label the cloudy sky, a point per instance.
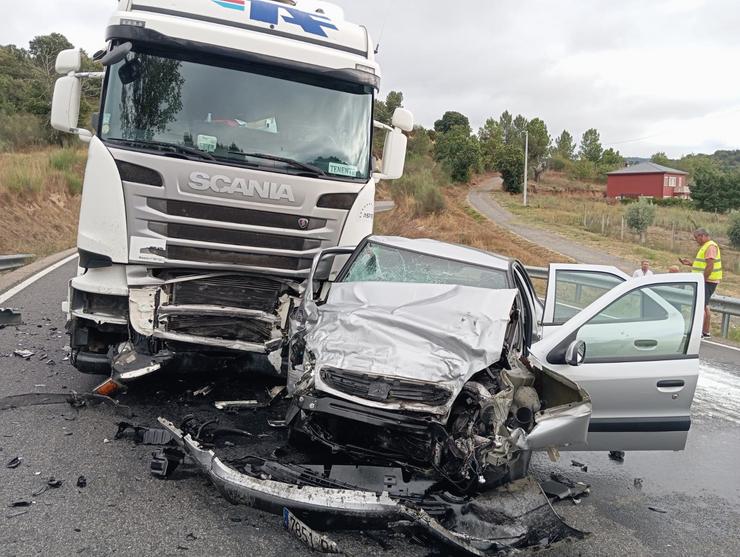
(650, 75)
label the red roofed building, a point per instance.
(648, 179)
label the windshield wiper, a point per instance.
(291, 162)
(174, 147)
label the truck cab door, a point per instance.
(641, 361)
(571, 287)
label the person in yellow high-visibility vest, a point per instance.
(708, 261)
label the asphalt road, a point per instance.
(124, 510)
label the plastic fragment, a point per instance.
(26, 354)
(82, 481)
(14, 462)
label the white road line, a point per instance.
(29, 281)
(720, 345)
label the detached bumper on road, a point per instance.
(532, 518)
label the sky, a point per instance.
(650, 75)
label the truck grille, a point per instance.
(206, 255)
(225, 327)
(235, 237)
(384, 389)
(234, 215)
(236, 291)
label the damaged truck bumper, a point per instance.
(158, 310)
(514, 516)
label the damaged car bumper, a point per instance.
(518, 515)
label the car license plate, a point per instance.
(314, 540)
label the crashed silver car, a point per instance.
(441, 359)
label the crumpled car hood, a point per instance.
(431, 332)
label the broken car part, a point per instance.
(144, 435)
(314, 540)
(10, 317)
(529, 520)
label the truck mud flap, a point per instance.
(514, 516)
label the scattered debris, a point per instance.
(204, 391)
(637, 483)
(14, 462)
(165, 461)
(25, 354)
(144, 435)
(311, 538)
(15, 504)
(277, 424)
(583, 467)
(54, 483)
(617, 456)
(658, 510)
(82, 481)
(13, 515)
(559, 487)
(236, 404)
(10, 317)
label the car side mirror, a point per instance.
(65, 107)
(394, 155)
(575, 353)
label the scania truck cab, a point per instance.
(233, 143)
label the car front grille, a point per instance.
(384, 389)
(225, 327)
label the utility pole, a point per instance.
(526, 156)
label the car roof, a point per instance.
(445, 250)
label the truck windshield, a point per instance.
(265, 118)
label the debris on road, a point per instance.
(82, 481)
(25, 354)
(617, 456)
(559, 487)
(14, 462)
(165, 461)
(203, 391)
(10, 316)
(658, 510)
(637, 483)
(236, 404)
(142, 435)
(18, 513)
(583, 467)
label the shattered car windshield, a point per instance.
(382, 263)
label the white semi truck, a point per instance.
(233, 143)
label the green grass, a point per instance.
(65, 159)
(22, 180)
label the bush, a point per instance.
(510, 163)
(583, 169)
(421, 183)
(559, 163)
(459, 153)
(733, 230)
(74, 183)
(21, 131)
(428, 199)
(63, 159)
(674, 202)
(639, 216)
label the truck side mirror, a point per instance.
(68, 61)
(403, 120)
(394, 155)
(65, 105)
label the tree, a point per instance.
(708, 187)
(591, 146)
(539, 146)
(491, 140)
(733, 230)
(640, 216)
(458, 152)
(383, 110)
(506, 125)
(510, 163)
(565, 146)
(660, 158)
(451, 119)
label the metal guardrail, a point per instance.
(727, 306)
(8, 262)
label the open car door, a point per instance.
(635, 350)
(573, 286)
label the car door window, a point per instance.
(575, 290)
(652, 321)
